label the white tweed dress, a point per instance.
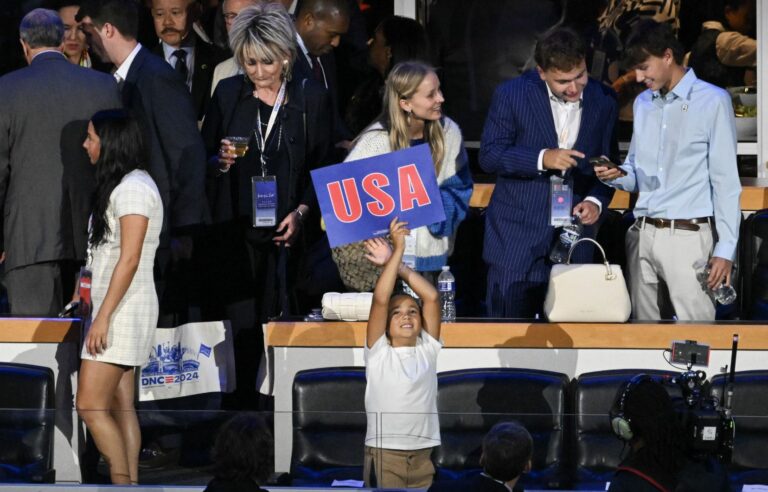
(132, 324)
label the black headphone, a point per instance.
(620, 423)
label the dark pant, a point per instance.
(40, 289)
(509, 297)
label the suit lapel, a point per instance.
(542, 111)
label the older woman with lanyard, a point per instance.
(260, 199)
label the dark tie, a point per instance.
(317, 70)
(181, 64)
(120, 83)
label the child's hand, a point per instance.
(379, 251)
(398, 231)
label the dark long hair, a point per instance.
(122, 150)
(652, 413)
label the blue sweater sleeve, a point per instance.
(455, 193)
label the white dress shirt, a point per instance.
(122, 71)
(567, 116)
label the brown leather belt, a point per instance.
(683, 224)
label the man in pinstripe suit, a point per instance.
(547, 121)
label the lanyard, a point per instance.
(261, 138)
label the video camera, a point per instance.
(707, 421)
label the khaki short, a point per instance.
(396, 468)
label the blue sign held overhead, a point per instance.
(358, 199)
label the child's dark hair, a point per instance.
(651, 38)
(507, 449)
(244, 449)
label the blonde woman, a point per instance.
(412, 115)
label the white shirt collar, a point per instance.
(169, 50)
(554, 98)
(304, 49)
(122, 71)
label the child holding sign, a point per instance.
(402, 343)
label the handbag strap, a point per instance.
(609, 273)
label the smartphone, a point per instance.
(602, 161)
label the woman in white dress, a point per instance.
(124, 234)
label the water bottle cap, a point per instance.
(446, 268)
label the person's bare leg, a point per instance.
(96, 387)
(124, 413)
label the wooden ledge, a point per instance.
(534, 335)
(754, 196)
(39, 330)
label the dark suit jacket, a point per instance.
(207, 56)
(306, 135)
(478, 483)
(159, 98)
(519, 125)
(45, 176)
(302, 70)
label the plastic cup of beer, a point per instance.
(240, 144)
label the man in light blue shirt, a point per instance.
(682, 162)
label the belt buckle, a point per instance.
(662, 223)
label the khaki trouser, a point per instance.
(667, 255)
(395, 468)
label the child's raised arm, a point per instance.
(377, 319)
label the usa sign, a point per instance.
(359, 198)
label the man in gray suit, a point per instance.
(45, 111)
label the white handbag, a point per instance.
(587, 292)
(350, 306)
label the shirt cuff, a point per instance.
(540, 161)
(596, 202)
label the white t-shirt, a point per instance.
(401, 395)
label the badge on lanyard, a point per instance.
(560, 201)
(264, 187)
(84, 291)
(264, 192)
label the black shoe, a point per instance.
(154, 456)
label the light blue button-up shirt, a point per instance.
(682, 159)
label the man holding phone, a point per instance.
(682, 162)
(541, 128)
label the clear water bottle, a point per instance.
(569, 234)
(446, 286)
(724, 294)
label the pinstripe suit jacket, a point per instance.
(519, 125)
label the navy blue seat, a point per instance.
(754, 266)
(27, 415)
(597, 451)
(749, 464)
(329, 424)
(471, 401)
